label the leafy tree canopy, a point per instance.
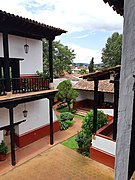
(91, 65)
(82, 71)
(111, 54)
(66, 93)
(62, 58)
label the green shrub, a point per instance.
(63, 125)
(3, 148)
(65, 120)
(84, 137)
(66, 116)
(69, 122)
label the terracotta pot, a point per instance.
(3, 157)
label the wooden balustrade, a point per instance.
(2, 87)
(24, 85)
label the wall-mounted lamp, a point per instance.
(26, 47)
(25, 112)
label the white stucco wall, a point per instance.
(32, 61)
(59, 80)
(110, 112)
(85, 95)
(1, 136)
(38, 116)
(108, 97)
(126, 93)
(103, 144)
(38, 111)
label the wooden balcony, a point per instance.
(24, 85)
(25, 88)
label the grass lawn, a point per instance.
(71, 143)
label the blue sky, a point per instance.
(89, 22)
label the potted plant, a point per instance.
(3, 151)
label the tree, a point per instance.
(66, 93)
(91, 65)
(111, 54)
(62, 57)
(82, 71)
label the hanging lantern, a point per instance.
(26, 48)
(25, 112)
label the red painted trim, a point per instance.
(102, 157)
(35, 135)
(84, 103)
(106, 137)
(28, 75)
(110, 118)
(106, 129)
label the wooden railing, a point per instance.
(23, 85)
(2, 87)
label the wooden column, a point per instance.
(50, 61)
(6, 62)
(95, 105)
(12, 136)
(51, 119)
(116, 100)
(131, 166)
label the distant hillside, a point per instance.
(80, 64)
(86, 64)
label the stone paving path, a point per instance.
(30, 151)
(60, 163)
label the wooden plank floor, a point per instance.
(10, 96)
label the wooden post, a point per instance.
(6, 62)
(95, 105)
(12, 136)
(116, 100)
(51, 120)
(50, 61)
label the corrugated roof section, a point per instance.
(103, 86)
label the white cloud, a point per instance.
(84, 55)
(71, 15)
(80, 37)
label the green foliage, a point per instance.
(66, 120)
(63, 125)
(111, 54)
(66, 93)
(91, 65)
(42, 74)
(82, 71)
(66, 116)
(62, 58)
(84, 137)
(3, 148)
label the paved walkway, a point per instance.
(30, 151)
(60, 163)
(42, 161)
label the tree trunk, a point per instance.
(68, 104)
